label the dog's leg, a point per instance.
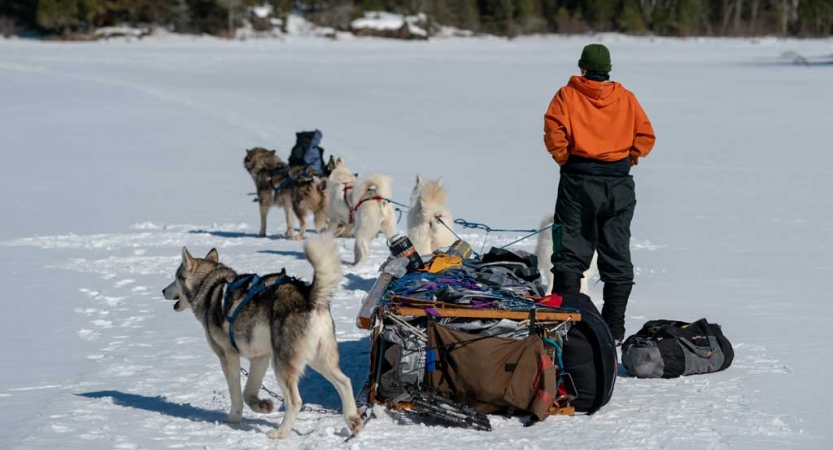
(364, 234)
(320, 218)
(286, 203)
(288, 382)
(326, 363)
(257, 369)
(388, 221)
(264, 211)
(231, 369)
(301, 212)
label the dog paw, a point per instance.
(298, 237)
(234, 418)
(289, 233)
(355, 425)
(263, 406)
(277, 434)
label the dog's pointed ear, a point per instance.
(187, 259)
(248, 151)
(283, 272)
(419, 179)
(273, 151)
(213, 255)
(340, 160)
(322, 186)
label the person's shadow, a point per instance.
(315, 390)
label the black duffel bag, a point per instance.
(670, 348)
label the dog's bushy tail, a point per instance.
(434, 202)
(322, 253)
(381, 184)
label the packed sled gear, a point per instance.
(597, 120)
(669, 349)
(306, 151)
(473, 334)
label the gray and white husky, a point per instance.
(288, 323)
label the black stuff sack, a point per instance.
(670, 348)
(589, 355)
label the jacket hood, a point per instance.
(600, 93)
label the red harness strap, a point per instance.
(353, 210)
(347, 187)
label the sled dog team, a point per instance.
(286, 322)
(345, 205)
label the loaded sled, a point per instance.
(466, 337)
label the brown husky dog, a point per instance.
(296, 189)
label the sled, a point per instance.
(389, 316)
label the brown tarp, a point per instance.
(491, 374)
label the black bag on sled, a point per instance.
(589, 355)
(669, 349)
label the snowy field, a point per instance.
(115, 154)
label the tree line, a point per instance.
(511, 18)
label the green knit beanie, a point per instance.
(596, 58)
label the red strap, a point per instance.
(347, 187)
(353, 210)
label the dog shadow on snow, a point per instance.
(295, 254)
(357, 283)
(238, 234)
(161, 405)
(354, 358)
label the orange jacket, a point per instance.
(598, 120)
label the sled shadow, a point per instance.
(161, 405)
(354, 359)
(357, 283)
(297, 255)
(236, 234)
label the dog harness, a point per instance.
(255, 287)
(289, 179)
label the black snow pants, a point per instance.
(594, 214)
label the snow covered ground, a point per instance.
(115, 154)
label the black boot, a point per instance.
(566, 283)
(616, 301)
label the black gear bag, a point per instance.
(670, 348)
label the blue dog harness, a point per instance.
(289, 179)
(255, 287)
